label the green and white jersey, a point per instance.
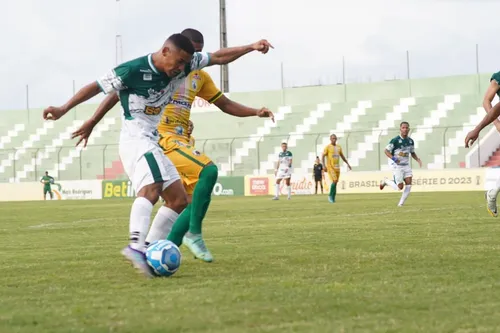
(402, 149)
(144, 92)
(285, 159)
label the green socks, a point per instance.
(192, 217)
(202, 196)
(333, 191)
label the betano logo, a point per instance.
(117, 189)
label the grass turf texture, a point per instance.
(359, 265)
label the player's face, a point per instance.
(198, 47)
(283, 146)
(174, 60)
(333, 139)
(317, 160)
(405, 129)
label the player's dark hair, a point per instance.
(182, 42)
(404, 123)
(194, 35)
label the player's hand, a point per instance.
(84, 132)
(349, 167)
(262, 46)
(325, 170)
(419, 162)
(471, 138)
(265, 113)
(53, 113)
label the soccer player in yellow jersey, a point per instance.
(198, 173)
(333, 153)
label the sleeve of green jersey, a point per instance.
(496, 77)
(116, 79)
(390, 146)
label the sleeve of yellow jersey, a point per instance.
(208, 91)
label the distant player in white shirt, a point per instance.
(283, 170)
(399, 151)
(145, 86)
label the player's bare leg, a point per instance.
(288, 188)
(277, 189)
(140, 218)
(406, 191)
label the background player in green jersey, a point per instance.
(399, 151)
(46, 180)
(283, 170)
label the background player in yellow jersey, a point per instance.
(332, 154)
(197, 171)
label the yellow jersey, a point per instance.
(175, 119)
(191, 140)
(332, 154)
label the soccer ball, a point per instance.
(164, 257)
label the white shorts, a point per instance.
(145, 163)
(284, 173)
(401, 172)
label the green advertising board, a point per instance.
(225, 186)
(229, 186)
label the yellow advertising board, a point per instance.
(369, 181)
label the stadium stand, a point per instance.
(364, 117)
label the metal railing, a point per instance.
(443, 144)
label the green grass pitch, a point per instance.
(359, 265)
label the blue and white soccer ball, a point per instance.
(164, 257)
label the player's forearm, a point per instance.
(487, 105)
(388, 154)
(230, 54)
(84, 94)
(236, 109)
(493, 114)
(103, 108)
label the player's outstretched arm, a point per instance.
(488, 98)
(84, 94)
(238, 110)
(390, 156)
(230, 54)
(488, 119)
(86, 129)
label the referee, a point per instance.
(318, 175)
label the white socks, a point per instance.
(140, 218)
(392, 184)
(406, 193)
(277, 190)
(289, 189)
(162, 224)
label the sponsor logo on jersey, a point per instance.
(196, 153)
(179, 130)
(147, 77)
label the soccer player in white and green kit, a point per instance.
(399, 151)
(145, 86)
(283, 171)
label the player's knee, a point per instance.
(179, 203)
(151, 192)
(400, 186)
